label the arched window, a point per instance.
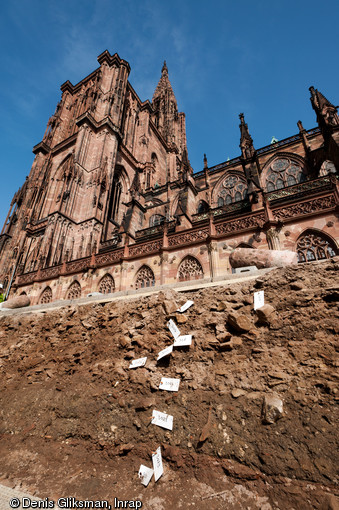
(74, 291)
(232, 189)
(144, 278)
(156, 219)
(284, 172)
(313, 245)
(46, 296)
(190, 269)
(106, 285)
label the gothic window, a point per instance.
(315, 246)
(190, 269)
(74, 291)
(144, 278)
(106, 285)
(156, 219)
(115, 199)
(204, 207)
(284, 172)
(232, 189)
(46, 296)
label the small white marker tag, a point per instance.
(182, 341)
(140, 362)
(157, 464)
(173, 328)
(145, 474)
(186, 306)
(165, 352)
(162, 420)
(169, 384)
(258, 299)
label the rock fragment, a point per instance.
(272, 408)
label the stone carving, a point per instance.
(106, 285)
(46, 296)
(74, 291)
(190, 269)
(188, 237)
(50, 272)
(241, 224)
(145, 248)
(107, 258)
(78, 265)
(144, 278)
(304, 208)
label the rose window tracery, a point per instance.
(74, 291)
(190, 269)
(284, 172)
(46, 296)
(314, 246)
(144, 278)
(106, 285)
(233, 189)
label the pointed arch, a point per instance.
(118, 195)
(144, 277)
(74, 290)
(313, 244)
(106, 285)
(46, 296)
(190, 269)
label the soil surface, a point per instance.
(75, 421)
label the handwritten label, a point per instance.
(173, 328)
(157, 464)
(162, 420)
(169, 384)
(145, 474)
(259, 299)
(182, 341)
(165, 352)
(140, 362)
(186, 306)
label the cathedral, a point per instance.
(112, 203)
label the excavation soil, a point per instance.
(75, 421)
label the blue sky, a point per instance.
(224, 57)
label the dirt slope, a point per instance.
(75, 421)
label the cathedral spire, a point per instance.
(165, 109)
(327, 116)
(246, 142)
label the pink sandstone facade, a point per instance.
(112, 203)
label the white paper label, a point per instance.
(140, 362)
(165, 352)
(173, 328)
(145, 474)
(162, 420)
(169, 384)
(157, 464)
(259, 299)
(182, 341)
(186, 306)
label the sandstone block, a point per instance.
(265, 314)
(239, 322)
(241, 257)
(16, 302)
(272, 408)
